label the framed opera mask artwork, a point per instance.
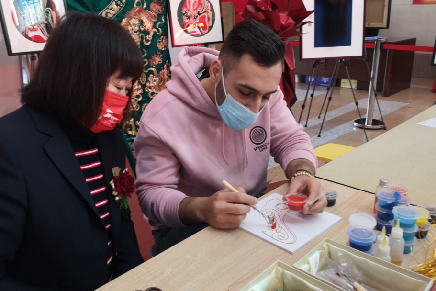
(195, 22)
(27, 24)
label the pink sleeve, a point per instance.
(288, 140)
(157, 177)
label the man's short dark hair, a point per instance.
(74, 69)
(255, 39)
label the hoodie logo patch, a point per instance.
(258, 135)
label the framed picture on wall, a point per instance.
(195, 22)
(27, 24)
(378, 13)
(433, 59)
(336, 31)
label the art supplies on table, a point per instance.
(383, 184)
(423, 231)
(361, 238)
(331, 196)
(380, 239)
(296, 201)
(388, 199)
(424, 214)
(384, 250)
(397, 245)
(363, 219)
(290, 230)
(370, 272)
(280, 276)
(432, 211)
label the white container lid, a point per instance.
(362, 219)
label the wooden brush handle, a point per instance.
(358, 287)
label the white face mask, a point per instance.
(234, 114)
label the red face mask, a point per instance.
(111, 111)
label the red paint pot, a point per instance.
(296, 201)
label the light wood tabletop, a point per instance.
(228, 259)
(405, 155)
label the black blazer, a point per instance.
(51, 235)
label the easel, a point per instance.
(331, 86)
(314, 72)
(345, 63)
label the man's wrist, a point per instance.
(300, 165)
(191, 210)
(302, 172)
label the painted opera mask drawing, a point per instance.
(278, 230)
(34, 19)
(196, 17)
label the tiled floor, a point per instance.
(339, 128)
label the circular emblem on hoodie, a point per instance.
(258, 135)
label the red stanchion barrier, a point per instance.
(412, 48)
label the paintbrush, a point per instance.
(233, 189)
(316, 198)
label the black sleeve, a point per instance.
(127, 254)
(13, 207)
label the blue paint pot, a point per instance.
(407, 216)
(408, 246)
(361, 238)
(409, 233)
(388, 199)
(387, 224)
(383, 213)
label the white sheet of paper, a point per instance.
(293, 230)
(429, 122)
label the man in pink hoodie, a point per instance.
(200, 131)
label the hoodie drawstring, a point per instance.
(223, 145)
(245, 150)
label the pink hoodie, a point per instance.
(183, 148)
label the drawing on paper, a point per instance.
(278, 231)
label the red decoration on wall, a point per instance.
(284, 17)
(424, 2)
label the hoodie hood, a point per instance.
(184, 83)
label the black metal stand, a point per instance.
(345, 63)
(311, 81)
(375, 122)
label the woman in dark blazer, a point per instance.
(62, 224)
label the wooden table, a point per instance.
(228, 259)
(405, 155)
(394, 73)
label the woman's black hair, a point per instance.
(76, 64)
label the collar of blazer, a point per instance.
(60, 151)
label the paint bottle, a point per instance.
(384, 183)
(397, 245)
(380, 239)
(384, 251)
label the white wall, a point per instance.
(10, 80)
(408, 20)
